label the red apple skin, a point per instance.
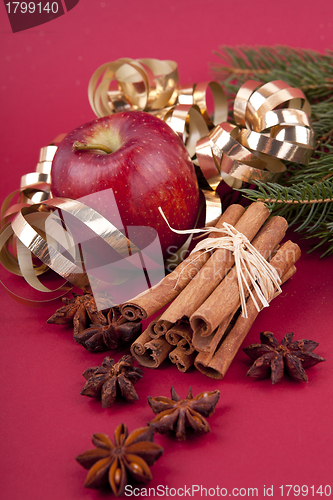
(149, 167)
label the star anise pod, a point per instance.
(128, 457)
(176, 414)
(81, 310)
(273, 359)
(111, 378)
(114, 333)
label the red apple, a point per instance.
(143, 161)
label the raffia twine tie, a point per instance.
(250, 265)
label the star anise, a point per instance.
(81, 310)
(113, 463)
(176, 414)
(272, 358)
(108, 380)
(114, 333)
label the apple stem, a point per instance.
(81, 146)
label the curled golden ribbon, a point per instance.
(272, 121)
(151, 85)
(144, 84)
(34, 186)
(61, 233)
(263, 135)
(15, 255)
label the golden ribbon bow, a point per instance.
(271, 123)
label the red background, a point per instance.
(262, 435)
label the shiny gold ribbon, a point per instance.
(272, 124)
(263, 137)
(27, 232)
(144, 84)
(34, 186)
(151, 85)
(272, 120)
(14, 254)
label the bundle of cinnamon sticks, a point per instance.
(203, 324)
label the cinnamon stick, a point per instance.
(181, 360)
(155, 331)
(209, 343)
(172, 336)
(138, 348)
(150, 352)
(226, 298)
(153, 299)
(216, 365)
(181, 335)
(212, 272)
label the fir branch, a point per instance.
(305, 193)
(322, 122)
(305, 69)
(320, 168)
(310, 206)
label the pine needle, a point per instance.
(304, 195)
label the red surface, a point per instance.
(262, 435)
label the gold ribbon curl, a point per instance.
(151, 85)
(15, 255)
(25, 237)
(272, 121)
(272, 124)
(263, 136)
(34, 186)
